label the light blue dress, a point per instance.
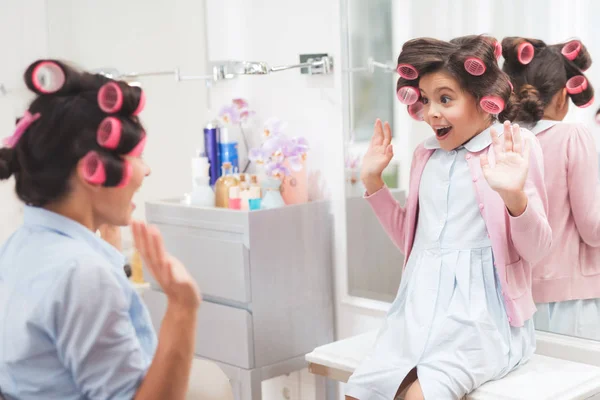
(448, 319)
(71, 325)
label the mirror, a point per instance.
(374, 31)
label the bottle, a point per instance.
(211, 148)
(202, 193)
(223, 184)
(228, 148)
(234, 198)
(254, 188)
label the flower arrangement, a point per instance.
(278, 152)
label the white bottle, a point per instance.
(202, 194)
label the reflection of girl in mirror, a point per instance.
(473, 224)
(72, 325)
(566, 283)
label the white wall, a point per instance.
(23, 38)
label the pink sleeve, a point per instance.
(390, 214)
(584, 189)
(530, 231)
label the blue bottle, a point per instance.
(228, 148)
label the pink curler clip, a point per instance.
(512, 89)
(416, 111)
(48, 77)
(571, 50)
(498, 49)
(127, 173)
(408, 95)
(589, 103)
(407, 71)
(577, 84)
(93, 169)
(492, 104)
(474, 66)
(110, 98)
(525, 53)
(109, 133)
(141, 104)
(139, 148)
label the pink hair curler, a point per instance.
(93, 169)
(139, 148)
(416, 111)
(571, 50)
(512, 89)
(589, 103)
(577, 84)
(141, 104)
(110, 98)
(474, 66)
(127, 174)
(492, 104)
(407, 71)
(408, 95)
(48, 77)
(498, 49)
(109, 133)
(525, 53)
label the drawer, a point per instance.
(223, 333)
(219, 263)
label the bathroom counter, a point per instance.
(266, 282)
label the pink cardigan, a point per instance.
(516, 242)
(572, 268)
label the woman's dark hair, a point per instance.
(546, 74)
(427, 55)
(45, 157)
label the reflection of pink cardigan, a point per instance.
(572, 269)
(516, 242)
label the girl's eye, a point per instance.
(445, 99)
(424, 100)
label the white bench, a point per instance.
(542, 378)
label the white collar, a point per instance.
(477, 142)
(543, 125)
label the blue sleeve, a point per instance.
(94, 334)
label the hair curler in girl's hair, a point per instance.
(104, 172)
(577, 84)
(497, 49)
(407, 71)
(415, 110)
(408, 95)
(525, 53)
(118, 97)
(474, 66)
(589, 103)
(492, 104)
(571, 49)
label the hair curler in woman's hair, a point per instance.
(416, 110)
(407, 71)
(122, 136)
(492, 104)
(47, 77)
(525, 53)
(577, 84)
(408, 95)
(474, 66)
(104, 172)
(118, 97)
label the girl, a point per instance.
(474, 222)
(71, 325)
(566, 283)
